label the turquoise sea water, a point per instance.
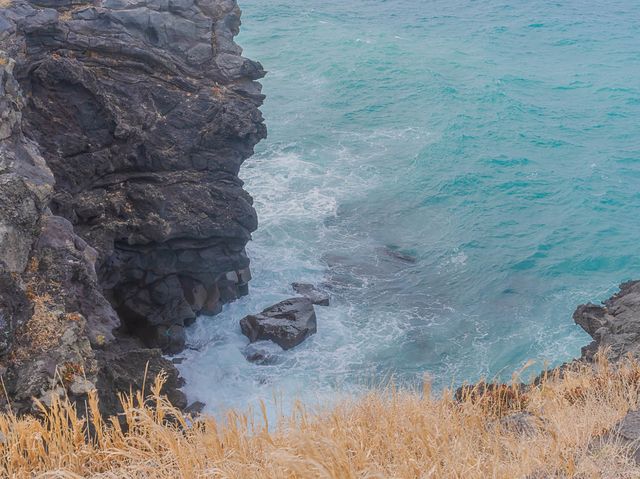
(461, 173)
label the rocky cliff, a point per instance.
(123, 124)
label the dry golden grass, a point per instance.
(385, 434)
(5, 3)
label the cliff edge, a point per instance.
(123, 125)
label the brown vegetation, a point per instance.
(389, 433)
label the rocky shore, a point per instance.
(123, 125)
(613, 325)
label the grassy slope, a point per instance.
(384, 434)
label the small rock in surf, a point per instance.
(287, 323)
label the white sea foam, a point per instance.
(289, 193)
(459, 258)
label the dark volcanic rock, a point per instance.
(122, 128)
(144, 111)
(615, 325)
(312, 293)
(123, 367)
(287, 323)
(15, 310)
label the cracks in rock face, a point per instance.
(207, 130)
(144, 116)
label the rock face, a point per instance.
(123, 125)
(615, 325)
(287, 323)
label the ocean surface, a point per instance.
(459, 174)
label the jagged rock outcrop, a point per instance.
(614, 325)
(123, 124)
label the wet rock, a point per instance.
(309, 291)
(287, 323)
(195, 408)
(263, 352)
(614, 325)
(257, 357)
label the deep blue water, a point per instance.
(461, 173)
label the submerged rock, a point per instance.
(398, 255)
(312, 293)
(614, 325)
(263, 352)
(287, 323)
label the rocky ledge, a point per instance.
(613, 325)
(123, 124)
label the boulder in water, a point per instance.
(312, 293)
(287, 323)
